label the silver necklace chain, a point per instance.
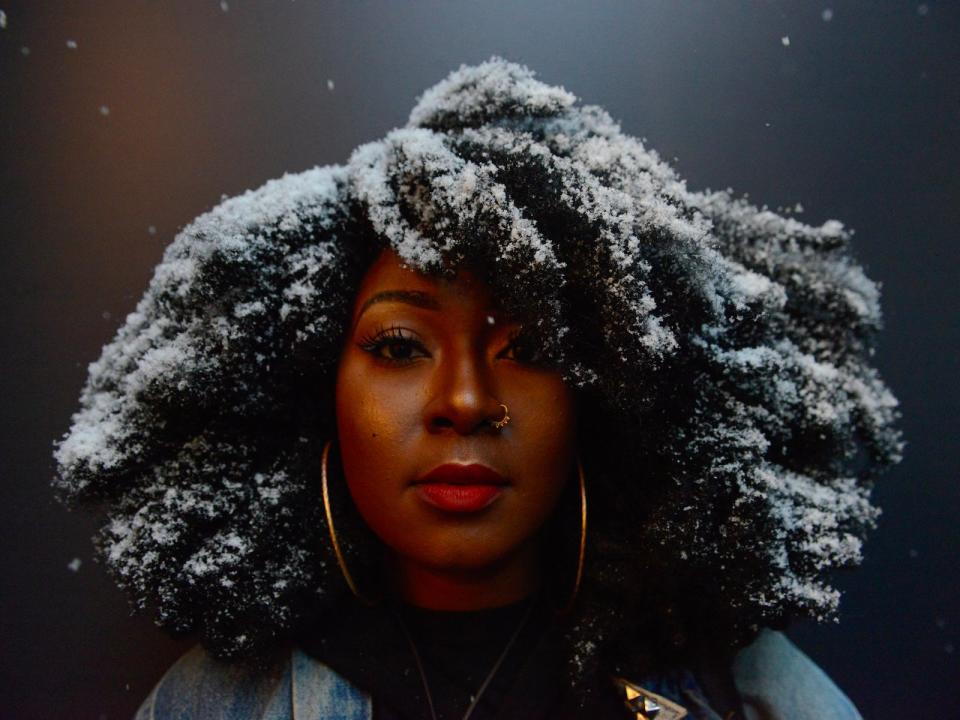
(486, 682)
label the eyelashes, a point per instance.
(396, 345)
(398, 340)
(524, 351)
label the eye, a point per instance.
(393, 345)
(521, 349)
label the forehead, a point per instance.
(388, 272)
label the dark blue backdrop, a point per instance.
(154, 109)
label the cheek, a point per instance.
(544, 438)
(373, 408)
(376, 424)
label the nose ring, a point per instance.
(498, 424)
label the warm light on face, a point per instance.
(424, 370)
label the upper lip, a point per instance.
(463, 474)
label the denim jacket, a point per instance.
(775, 679)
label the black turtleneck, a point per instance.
(368, 647)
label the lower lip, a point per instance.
(459, 498)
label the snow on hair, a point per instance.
(739, 422)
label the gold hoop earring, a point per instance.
(581, 553)
(341, 560)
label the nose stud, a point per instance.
(499, 424)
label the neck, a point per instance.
(467, 589)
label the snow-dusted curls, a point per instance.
(723, 349)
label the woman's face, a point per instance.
(423, 372)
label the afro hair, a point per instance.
(723, 351)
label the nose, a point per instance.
(462, 398)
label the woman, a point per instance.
(497, 420)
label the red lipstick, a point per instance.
(454, 487)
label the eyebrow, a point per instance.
(410, 297)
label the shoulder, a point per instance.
(200, 687)
(777, 680)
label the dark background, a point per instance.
(108, 148)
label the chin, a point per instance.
(454, 551)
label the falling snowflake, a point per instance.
(72, 44)
(74, 565)
(329, 84)
(785, 40)
(827, 14)
(104, 110)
